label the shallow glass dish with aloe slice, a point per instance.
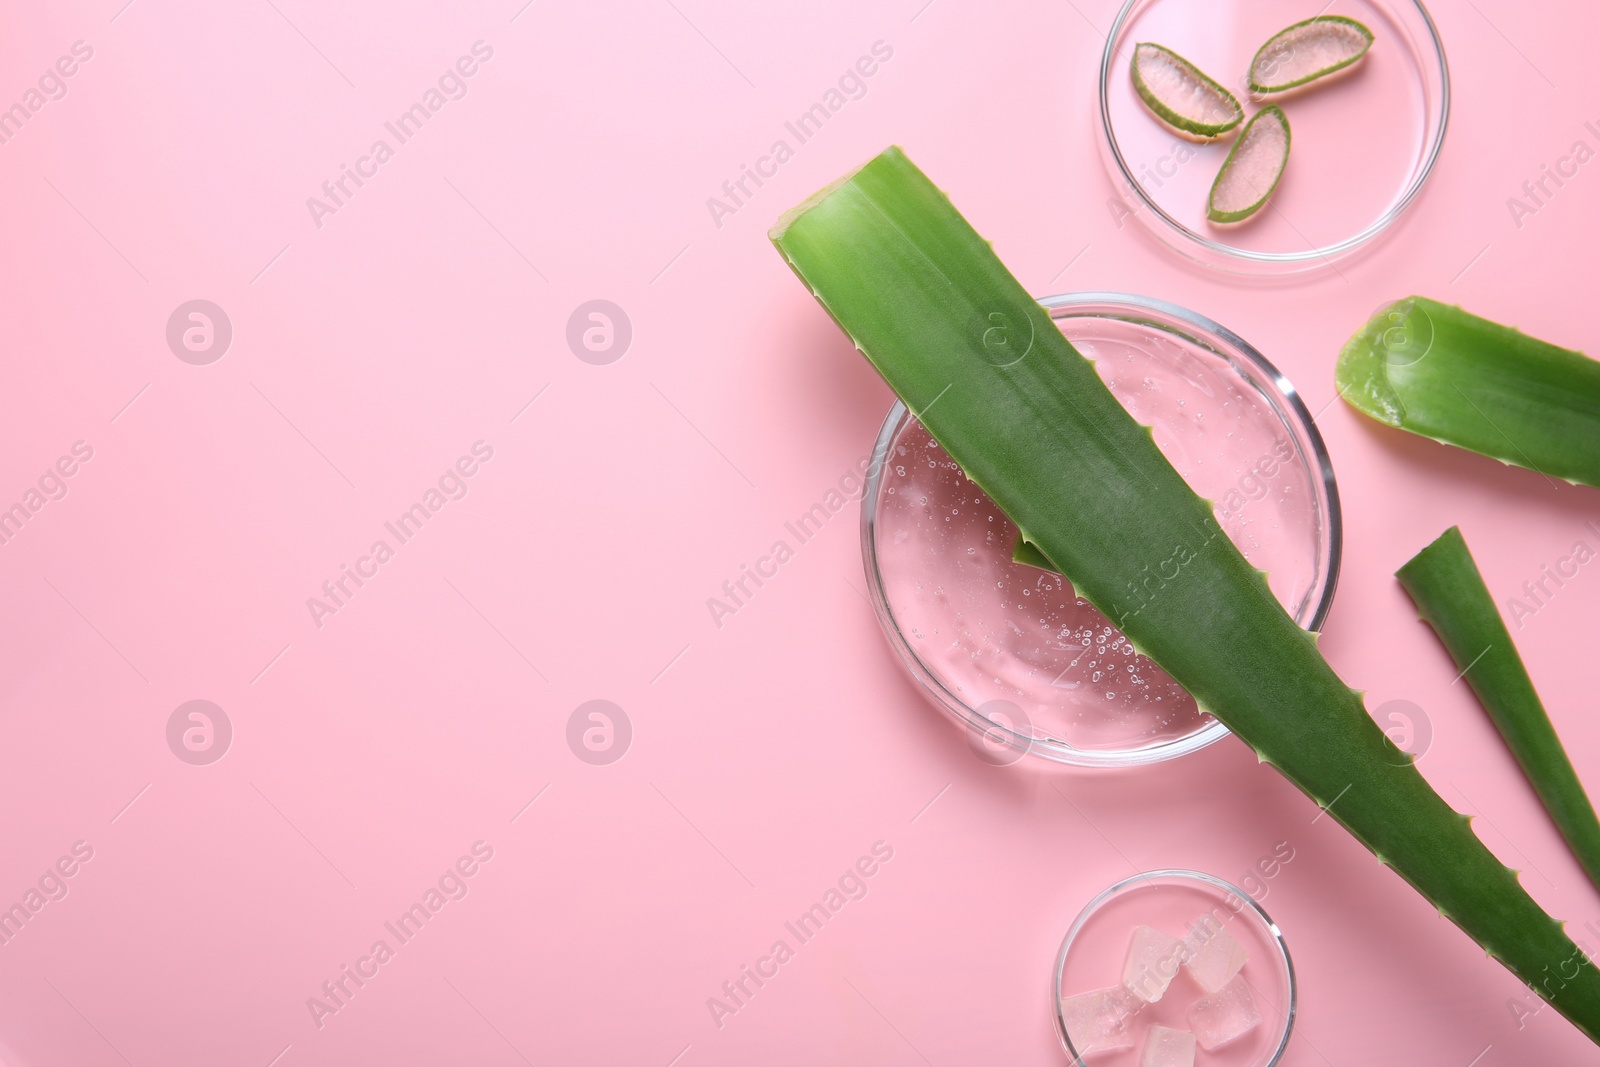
(1363, 148)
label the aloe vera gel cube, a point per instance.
(1152, 961)
(1225, 1015)
(1101, 1021)
(1214, 956)
(1166, 1047)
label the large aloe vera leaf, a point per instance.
(1442, 372)
(924, 297)
(1451, 597)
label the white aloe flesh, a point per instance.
(1252, 170)
(1179, 94)
(1309, 51)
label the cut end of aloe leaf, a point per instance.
(1252, 170)
(1309, 51)
(781, 227)
(1393, 337)
(1179, 94)
(1444, 373)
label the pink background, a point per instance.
(767, 754)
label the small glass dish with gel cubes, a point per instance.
(1174, 968)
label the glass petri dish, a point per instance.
(1362, 148)
(1172, 900)
(1009, 651)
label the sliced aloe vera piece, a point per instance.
(1451, 597)
(1308, 51)
(1179, 94)
(1442, 372)
(924, 298)
(1253, 168)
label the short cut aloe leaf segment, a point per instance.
(1254, 166)
(1181, 95)
(1444, 373)
(925, 299)
(1307, 52)
(1450, 594)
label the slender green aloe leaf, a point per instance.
(1181, 95)
(1254, 166)
(1306, 52)
(923, 296)
(1451, 596)
(1442, 372)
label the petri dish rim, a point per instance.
(1260, 374)
(1220, 255)
(1150, 879)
